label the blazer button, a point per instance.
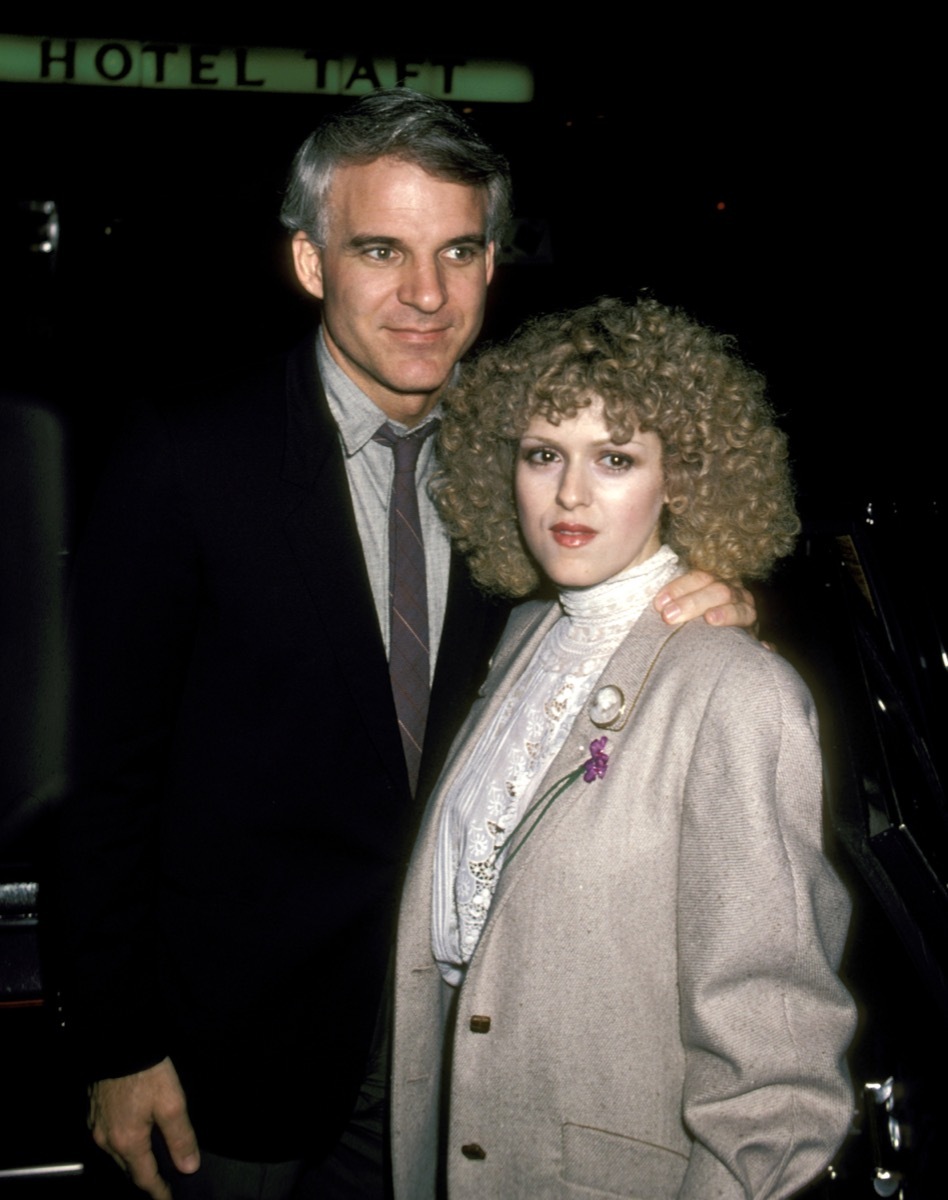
(472, 1150)
(480, 1024)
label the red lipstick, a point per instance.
(572, 536)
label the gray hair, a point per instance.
(401, 124)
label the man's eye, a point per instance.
(380, 253)
(461, 254)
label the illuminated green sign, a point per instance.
(178, 65)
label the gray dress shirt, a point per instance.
(370, 468)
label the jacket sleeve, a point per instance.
(762, 921)
(134, 600)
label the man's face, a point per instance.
(403, 278)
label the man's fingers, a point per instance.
(736, 609)
(143, 1172)
(690, 595)
(124, 1111)
(718, 603)
(681, 585)
(135, 1158)
(699, 594)
(179, 1136)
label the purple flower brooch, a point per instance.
(593, 768)
(596, 766)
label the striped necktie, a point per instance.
(409, 659)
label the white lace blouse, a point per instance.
(498, 782)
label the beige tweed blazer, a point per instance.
(653, 1009)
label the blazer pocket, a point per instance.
(620, 1166)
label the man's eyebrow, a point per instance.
(372, 239)
(359, 240)
(468, 239)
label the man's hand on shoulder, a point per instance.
(699, 594)
(122, 1113)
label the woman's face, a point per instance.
(589, 506)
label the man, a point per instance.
(247, 773)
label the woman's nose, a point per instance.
(573, 491)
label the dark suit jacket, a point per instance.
(242, 815)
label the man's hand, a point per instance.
(122, 1113)
(699, 594)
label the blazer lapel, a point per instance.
(525, 630)
(629, 667)
(325, 540)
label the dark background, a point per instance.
(773, 178)
(774, 173)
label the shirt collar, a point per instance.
(357, 417)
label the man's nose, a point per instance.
(422, 286)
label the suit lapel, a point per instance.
(472, 627)
(325, 540)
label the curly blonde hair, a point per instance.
(730, 509)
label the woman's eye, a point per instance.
(539, 455)
(618, 462)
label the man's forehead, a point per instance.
(386, 186)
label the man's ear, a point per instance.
(308, 261)
(489, 261)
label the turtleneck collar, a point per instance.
(624, 596)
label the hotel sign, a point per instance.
(184, 65)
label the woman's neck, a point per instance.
(624, 596)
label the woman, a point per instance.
(618, 940)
